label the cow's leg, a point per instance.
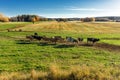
(93, 43)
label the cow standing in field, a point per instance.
(35, 36)
(70, 39)
(46, 38)
(59, 38)
(49, 39)
(56, 39)
(93, 40)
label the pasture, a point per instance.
(100, 61)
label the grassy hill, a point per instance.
(60, 61)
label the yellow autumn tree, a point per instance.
(33, 20)
(3, 18)
(37, 18)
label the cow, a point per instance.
(52, 39)
(49, 39)
(70, 39)
(35, 36)
(59, 38)
(93, 40)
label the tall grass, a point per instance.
(73, 73)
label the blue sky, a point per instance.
(61, 8)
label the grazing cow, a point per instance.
(93, 40)
(70, 39)
(46, 38)
(49, 39)
(58, 38)
(35, 36)
(53, 40)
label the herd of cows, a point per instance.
(56, 39)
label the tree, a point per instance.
(3, 18)
(37, 18)
(33, 20)
(88, 19)
(62, 19)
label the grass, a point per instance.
(74, 73)
(9, 25)
(61, 62)
(114, 42)
(27, 56)
(75, 27)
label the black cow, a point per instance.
(35, 36)
(93, 40)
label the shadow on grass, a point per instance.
(64, 46)
(25, 42)
(22, 42)
(56, 45)
(46, 44)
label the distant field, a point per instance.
(10, 25)
(17, 57)
(75, 27)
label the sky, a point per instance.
(61, 8)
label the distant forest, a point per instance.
(34, 18)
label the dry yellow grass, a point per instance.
(74, 73)
(73, 27)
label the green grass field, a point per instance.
(16, 57)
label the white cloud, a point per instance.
(85, 9)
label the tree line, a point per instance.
(35, 18)
(27, 18)
(92, 19)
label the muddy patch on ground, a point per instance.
(109, 47)
(103, 46)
